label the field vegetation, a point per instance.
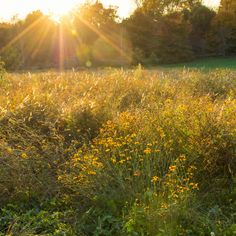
(206, 64)
(118, 152)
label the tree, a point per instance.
(10, 53)
(92, 20)
(37, 41)
(141, 29)
(160, 37)
(173, 44)
(157, 8)
(222, 36)
(200, 18)
(227, 6)
(96, 27)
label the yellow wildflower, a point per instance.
(147, 151)
(24, 155)
(9, 150)
(194, 185)
(172, 168)
(164, 206)
(155, 179)
(92, 172)
(122, 161)
(182, 158)
(59, 177)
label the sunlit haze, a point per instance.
(20, 8)
(10, 8)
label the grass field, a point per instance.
(118, 152)
(208, 63)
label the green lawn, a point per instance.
(208, 63)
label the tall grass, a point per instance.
(118, 152)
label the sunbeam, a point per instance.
(107, 39)
(24, 32)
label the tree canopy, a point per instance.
(159, 31)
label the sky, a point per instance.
(10, 8)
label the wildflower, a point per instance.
(59, 177)
(164, 206)
(172, 168)
(147, 151)
(194, 185)
(9, 150)
(122, 161)
(97, 164)
(92, 172)
(161, 132)
(24, 155)
(182, 158)
(155, 179)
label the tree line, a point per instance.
(159, 31)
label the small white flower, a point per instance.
(213, 234)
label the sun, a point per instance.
(59, 8)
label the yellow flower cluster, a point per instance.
(155, 179)
(178, 180)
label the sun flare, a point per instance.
(60, 7)
(56, 8)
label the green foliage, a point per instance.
(12, 58)
(162, 41)
(19, 221)
(173, 43)
(200, 18)
(222, 34)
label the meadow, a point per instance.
(118, 152)
(207, 63)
